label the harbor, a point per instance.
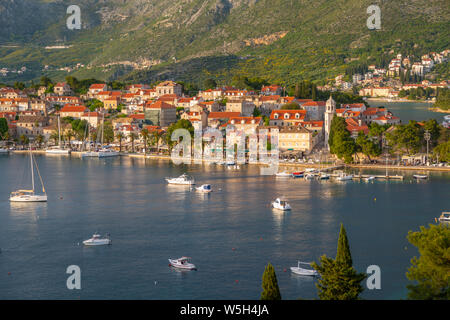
(233, 228)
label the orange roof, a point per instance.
(270, 98)
(137, 116)
(223, 115)
(97, 86)
(314, 104)
(292, 114)
(72, 108)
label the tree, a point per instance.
(39, 139)
(442, 152)
(180, 124)
(70, 134)
(210, 84)
(339, 280)
(145, 135)
(406, 137)
(156, 135)
(270, 284)
(132, 137)
(256, 112)
(24, 139)
(120, 137)
(367, 146)
(431, 271)
(94, 104)
(340, 141)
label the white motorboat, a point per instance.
(369, 179)
(182, 263)
(184, 179)
(280, 204)
(310, 170)
(97, 240)
(58, 149)
(3, 151)
(90, 154)
(283, 174)
(309, 176)
(344, 177)
(107, 152)
(304, 272)
(231, 163)
(420, 177)
(324, 176)
(445, 217)
(206, 188)
(30, 195)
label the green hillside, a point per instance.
(280, 40)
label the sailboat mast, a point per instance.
(32, 168)
(89, 130)
(103, 126)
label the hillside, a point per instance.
(280, 40)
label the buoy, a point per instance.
(237, 281)
(375, 199)
(285, 270)
(9, 273)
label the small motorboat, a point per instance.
(182, 263)
(344, 177)
(283, 174)
(309, 176)
(97, 240)
(369, 179)
(445, 217)
(184, 179)
(297, 174)
(206, 188)
(304, 272)
(420, 177)
(280, 204)
(4, 151)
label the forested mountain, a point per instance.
(280, 40)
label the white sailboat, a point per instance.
(58, 149)
(30, 195)
(89, 153)
(106, 151)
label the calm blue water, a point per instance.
(150, 222)
(406, 111)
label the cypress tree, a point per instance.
(343, 255)
(270, 284)
(339, 280)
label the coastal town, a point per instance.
(138, 117)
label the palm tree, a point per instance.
(156, 138)
(55, 136)
(24, 139)
(70, 134)
(120, 136)
(39, 139)
(145, 135)
(132, 137)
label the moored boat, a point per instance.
(97, 240)
(30, 195)
(304, 272)
(206, 188)
(184, 179)
(344, 177)
(280, 204)
(420, 177)
(298, 174)
(445, 217)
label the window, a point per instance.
(286, 115)
(276, 116)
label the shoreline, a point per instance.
(281, 164)
(439, 110)
(397, 101)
